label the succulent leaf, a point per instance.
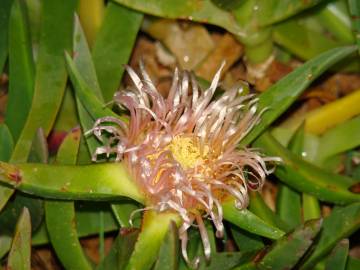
(19, 257)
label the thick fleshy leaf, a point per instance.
(19, 256)
(306, 177)
(225, 260)
(354, 7)
(341, 223)
(272, 11)
(87, 218)
(220, 260)
(168, 258)
(7, 143)
(39, 149)
(49, 82)
(4, 25)
(122, 212)
(228, 4)
(302, 40)
(352, 263)
(248, 221)
(245, 241)
(335, 17)
(34, 14)
(84, 63)
(153, 231)
(90, 182)
(85, 66)
(311, 142)
(338, 257)
(91, 14)
(87, 221)
(339, 139)
(257, 40)
(13, 209)
(287, 251)
(89, 100)
(67, 117)
(288, 204)
(261, 209)
(332, 114)
(301, 144)
(68, 151)
(311, 207)
(11, 213)
(282, 94)
(120, 251)
(5, 244)
(21, 70)
(113, 46)
(83, 60)
(60, 215)
(204, 11)
(60, 218)
(5, 193)
(297, 141)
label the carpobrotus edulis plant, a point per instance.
(182, 150)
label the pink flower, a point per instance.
(182, 150)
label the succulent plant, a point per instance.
(175, 178)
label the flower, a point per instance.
(182, 150)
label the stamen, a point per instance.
(133, 213)
(204, 237)
(184, 239)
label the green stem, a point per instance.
(258, 41)
(90, 182)
(154, 228)
(260, 52)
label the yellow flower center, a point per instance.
(187, 152)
